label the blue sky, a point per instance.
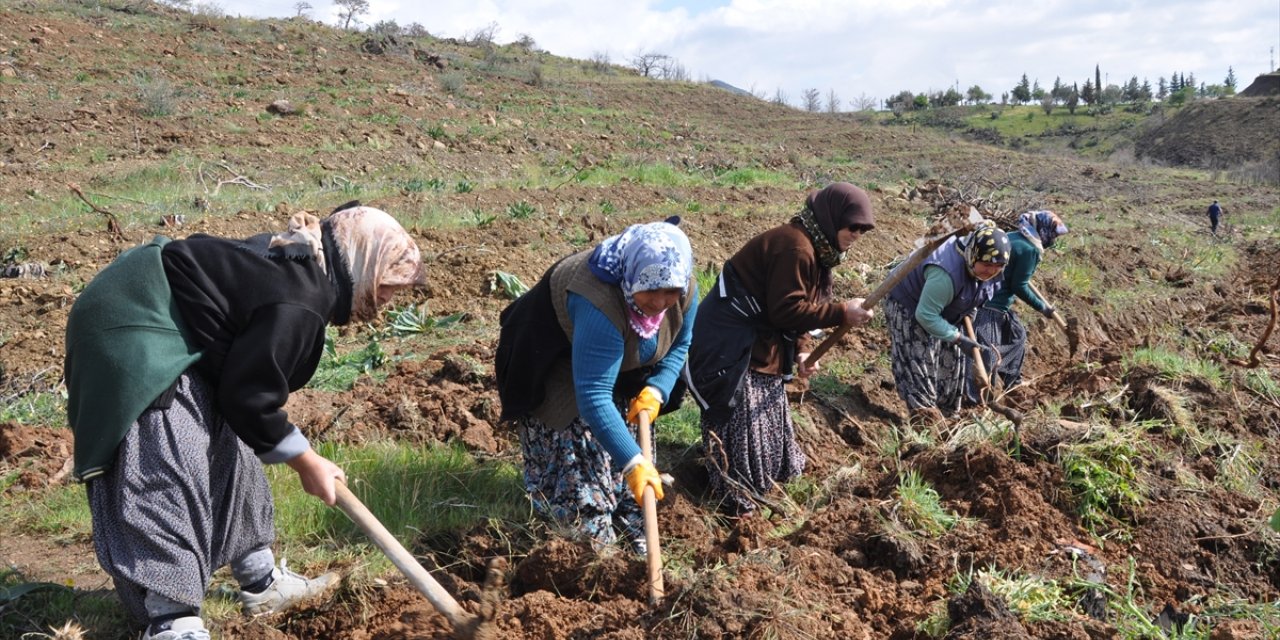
(868, 48)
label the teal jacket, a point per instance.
(1016, 277)
(125, 346)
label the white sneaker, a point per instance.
(287, 589)
(188, 628)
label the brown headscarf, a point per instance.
(378, 251)
(838, 206)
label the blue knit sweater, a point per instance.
(595, 370)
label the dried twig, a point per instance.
(113, 223)
(237, 179)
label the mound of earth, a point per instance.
(1267, 84)
(1217, 134)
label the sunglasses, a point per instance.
(860, 228)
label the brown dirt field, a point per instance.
(836, 574)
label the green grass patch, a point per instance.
(682, 429)
(60, 512)
(417, 492)
(1176, 367)
(37, 408)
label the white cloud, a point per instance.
(870, 46)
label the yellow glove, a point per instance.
(649, 399)
(642, 474)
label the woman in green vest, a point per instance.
(600, 338)
(180, 358)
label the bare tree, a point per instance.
(779, 97)
(863, 102)
(649, 65)
(349, 9)
(484, 36)
(811, 99)
(673, 70)
(833, 101)
(600, 62)
(302, 8)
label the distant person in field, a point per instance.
(996, 324)
(181, 355)
(924, 313)
(598, 340)
(752, 336)
(1215, 213)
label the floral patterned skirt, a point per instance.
(572, 480)
(755, 448)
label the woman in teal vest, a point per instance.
(600, 338)
(996, 324)
(180, 358)
(923, 313)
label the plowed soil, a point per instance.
(830, 570)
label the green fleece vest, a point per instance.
(574, 274)
(125, 346)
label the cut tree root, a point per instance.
(1254, 361)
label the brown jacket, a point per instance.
(780, 269)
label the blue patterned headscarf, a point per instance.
(644, 257)
(1041, 228)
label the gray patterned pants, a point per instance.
(927, 371)
(184, 497)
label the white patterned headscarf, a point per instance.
(644, 257)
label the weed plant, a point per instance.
(1102, 476)
(919, 507)
(29, 609)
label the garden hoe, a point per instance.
(465, 625)
(985, 390)
(650, 502)
(954, 223)
(1071, 329)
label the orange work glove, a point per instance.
(642, 474)
(649, 399)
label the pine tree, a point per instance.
(1022, 92)
(1087, 93)
(1231, 79)
(1097, 79)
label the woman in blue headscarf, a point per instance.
(600, 338)
(996, 324)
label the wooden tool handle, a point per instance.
(979, 366)
(899, 272)
(401, 558)
(1057, 317)
(650, 504)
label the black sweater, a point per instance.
(259, 315)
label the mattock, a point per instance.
(465, 625)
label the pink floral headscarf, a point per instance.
(378, 252)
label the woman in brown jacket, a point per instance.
(750, 336)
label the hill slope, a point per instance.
(1147, 465)
(1218, 134)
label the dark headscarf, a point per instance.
(826, 212)
(838, 206)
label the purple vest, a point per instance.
(970, 293)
